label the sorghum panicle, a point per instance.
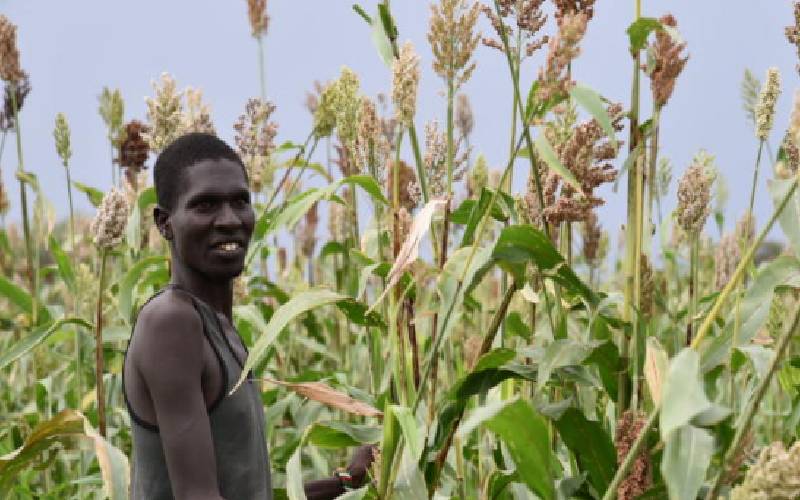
(409, 190)
(308, 232)
(197, 117)
(337, 221)
(435, 159)
(694, 196)
(346, 105)
(255, 140)
(405, 82)
(528, 19)
(108, 226)
(647, 286)
(10, 69)
(112, 111)
(61, 135)
(133, 151)
(257, 15)
(325, 112)
(465, 120)
(765, 109)
(640, 477)
(453, 39)
(726, 258)
(787, 166)
(164, 113)
(592, 232)
(371, 148)
(478, 176)
(667, 62)
(775, 476)
(561, 50)
(564, 7)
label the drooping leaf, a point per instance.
(546, 153)
(342, 435)
(683, 393)
(590, 100)
(606, 358)
(591, 445)
(514, 325)
(66, 428)
(298, 305)
(381, 41)
(327, 395)
(530, 449)
(561, 353)
(22, 299)
(36, 337)
(687, 455)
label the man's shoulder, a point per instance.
(169, 320)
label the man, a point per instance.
(191, 439)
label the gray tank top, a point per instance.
(237, 428)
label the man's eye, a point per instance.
(203, 205)
(241, 202)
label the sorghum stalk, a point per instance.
(26, 229)
(705, 327)
(261, 69)
(694, 245)
(753, 404)
(98, 348)
(755, 178)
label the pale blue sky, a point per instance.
(72, 49)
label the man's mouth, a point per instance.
(228, 246)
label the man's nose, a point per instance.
(227, 217)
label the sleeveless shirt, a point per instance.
(237, 429)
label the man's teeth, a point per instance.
(229, 247)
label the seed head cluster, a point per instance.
(464, 120)
(257, 15)
(640, 477)
(453, 39)
(405, 82)
(10, 69)
(14, 95)
(765, 108)
(133, 151)
(793, 31)
(409, 191)
(346, 105)
(562, 49)
(61, 135)
(197, 117)
(255, 140)
(478, 176)
(164, 113)
(526, 17)
(787, 166)
(667, 62)
(372, 150)
(694, 194)
(726, 258)
(774, 476)
(592, 232)
(112, 111)
(108, 226)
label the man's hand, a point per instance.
(359, 465)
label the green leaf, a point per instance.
(550, 157)
(342, 435)
(518, 245)
(21, 299)
(606, 358)
(683, 395)
(778, 188)
(414, 438)
(298, 305)
(591, 445)
(591, 101)
(687, 455)
(94, 195)
(561, 353)
(477, 212)
(64, 264)
(35, 338)
(129, 282)
(380, 39)
(639, 30)
(65, 429)
(530, 449)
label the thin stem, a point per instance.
(755, 178)
(98, 348)
(423, 183)
(693, 291)
(261, 75)
(747, 419)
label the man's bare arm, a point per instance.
(171, 364)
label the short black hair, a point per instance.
(182, 153)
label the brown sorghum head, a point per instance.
(667, 64)
(465, 120)
(726, 258)
(10, 69)
(255, 140)
(133, 151)
(694, 195)
(453, 39)
(640, 476)
(553, 78)
(789, 158)
(257, 15)
(793, 31)
(308, 232)
(592, 232)
(528, 20)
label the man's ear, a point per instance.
(161, 217)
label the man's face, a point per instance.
(212, 220)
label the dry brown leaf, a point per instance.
(327, 395)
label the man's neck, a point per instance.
(217, 293)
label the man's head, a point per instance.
(204, 206)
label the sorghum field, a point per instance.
(485, 338)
